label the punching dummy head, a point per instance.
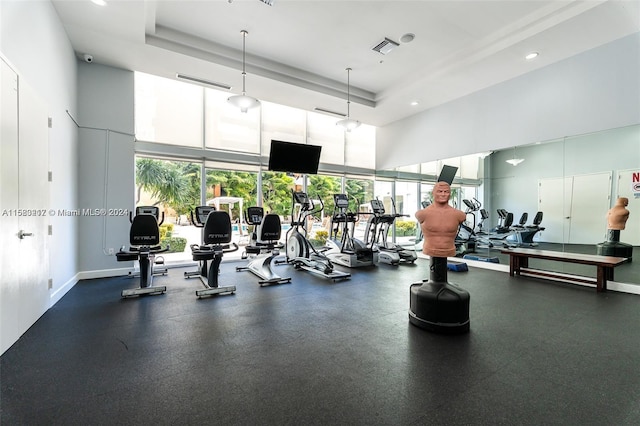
(439, 223)
(618, 214)
(441, 193)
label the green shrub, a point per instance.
(176, 244)
(405, 227)
(321, 237)
(166, 230)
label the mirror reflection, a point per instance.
(552, 195)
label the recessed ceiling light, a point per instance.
(407, 38)
(531, 56)
(99, 2)
(414, 103)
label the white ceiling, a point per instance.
(298, 50)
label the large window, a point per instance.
(174, 187)
(227, 128)
(168, 111)
(188, 121)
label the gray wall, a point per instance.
(106, 164)
(593, 91)
(516, 188)
(35, 44)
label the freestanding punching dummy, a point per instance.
(435, 304)
(616, 221)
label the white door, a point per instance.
(575, 208)
(554, 201)
(590, 202)
(33, 140)
(24, 283)
(9, 244)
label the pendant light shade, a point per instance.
(243, 101)
(348, 123)
(515, 161)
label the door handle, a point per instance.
(22, 234)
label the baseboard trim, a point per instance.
(104, 273)
(64, 288)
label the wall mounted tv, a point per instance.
(294, 157)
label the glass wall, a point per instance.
(174, 187)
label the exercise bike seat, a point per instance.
(144, 238)
(217, 237)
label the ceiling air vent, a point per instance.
(385, 46)
(327, 111)
(203, 81)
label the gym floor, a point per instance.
(318, 352)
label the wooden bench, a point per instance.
(519, 263)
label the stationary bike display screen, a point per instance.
(377, 206)
(301, 197)
(341, 200)
(255, 215)
(152, 210)
(202, 213)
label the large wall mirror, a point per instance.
(573, 181)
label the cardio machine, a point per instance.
(264, 245)
(466, 238)
(377, 232)
(300, 252)
(144, 240)
(342, 247)
(216, 241)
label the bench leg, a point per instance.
(513, 265)
(517, 262)
(604, 274)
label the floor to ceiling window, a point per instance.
(174, 187)
(183, 128)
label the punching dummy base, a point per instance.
(613, 246)
(437, 305)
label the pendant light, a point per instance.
(243, 101)
(348, 124)
(515, 161)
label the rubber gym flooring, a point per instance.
(315, 352)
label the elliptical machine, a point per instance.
(144, 240)
(377, 233)
(300, 252)
(342, 247)
(264, 239)
(216, 241)
(465, 240)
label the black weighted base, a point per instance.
(613, 246)
(437, 305)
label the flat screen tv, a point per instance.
(294, 157)
(447, 174)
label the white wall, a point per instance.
(106, 169)
(596, 90)
(34, 42)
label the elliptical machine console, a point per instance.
(300, 252)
